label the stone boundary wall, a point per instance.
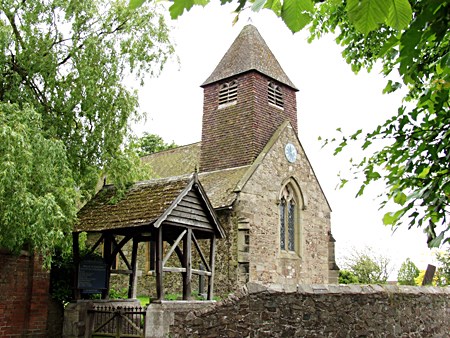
(322, 311)
(24, 295)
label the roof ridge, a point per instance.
(172, 149)
(162, 179)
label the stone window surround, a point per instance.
(300, 203)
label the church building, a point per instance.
(253, 189)
(256, 173)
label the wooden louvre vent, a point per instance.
(274, 95)
(228, 93)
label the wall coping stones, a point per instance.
(254, 288)
(353, 310)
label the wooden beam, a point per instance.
(144, 238)
(194, 271)
(132, 284)
(92, 249)
(187, 264)
(201, 272)
(212, 255)
(107, 256)
(76, 261)
(121, 271)
(173, 269)
(181, 221)
(152, 255)
(159, 266)
(197, 246)
(118, 249)
(175, 244)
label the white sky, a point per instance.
(330, 96)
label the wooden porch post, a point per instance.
(107, 256)
(159, 266)
(76, 260)
(212, 255)
(133, 277)
(187, 264)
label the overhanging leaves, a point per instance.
(179, 6)
(413, 160)
(297, 13)
(399, 15)
(366, 15)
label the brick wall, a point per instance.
(322, 311)
(234, 135)
(24, 296)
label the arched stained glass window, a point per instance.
(291, 225)
(289, 219)
(282, 224)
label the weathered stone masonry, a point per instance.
(322, 311)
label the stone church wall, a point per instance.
(259, 200)
(226, 279)
(322, 311)
(250, 250)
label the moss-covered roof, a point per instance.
(151, 203)
(220, 185)
(142, 204)
(249, 52)
(174, 162)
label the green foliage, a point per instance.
(347, 277)
(443, 270)
(179, 6)
(410, 38)
(62, 272)
(121, 293)
(365, 15)
(151, 143)
(36, 185)
(408, 273)
(144, 300)
(413, 160)
(62, 63)
(67, 60)
(296, 14)
(367, 267)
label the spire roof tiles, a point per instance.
(249, 52)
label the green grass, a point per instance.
(145, 300)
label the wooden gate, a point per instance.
(110, 321)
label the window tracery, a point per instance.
(289, 209)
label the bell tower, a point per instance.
(246, 98)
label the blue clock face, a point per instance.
(290, 152)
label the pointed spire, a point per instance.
(249, 52)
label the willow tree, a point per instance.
(66, 62)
